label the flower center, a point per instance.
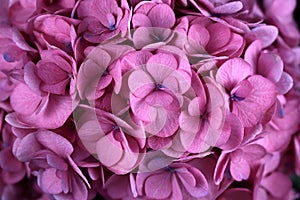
(112, 27)
(159, 86)
(170, 169)
(115, 127)
(7, 58)
(234, 97)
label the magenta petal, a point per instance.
(31, 78)
(297, 155)
(198, 36)
(282, 186)
(219, 36)
(53, 114)
(200, 186)
(8, 162)
(262, 97)
(220, 168)
(252, 52)
(141, 20)
(24, 101)
(55, 142)
(232, 72)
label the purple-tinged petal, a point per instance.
(270, 66)
(240, 170)
(26, 148)
(285, 83)
(49, 182)
(267, 34)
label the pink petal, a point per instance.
(262, 97)
(267, 34)
(220, 36)
(56, 162)
(24, 101)
(220, 168)
(26, 147)
(232, 72)
(49, 182)
(282, 186)
(52, 114)
(198, 36)
(229, 8)
(236, 133)
(285, 83)
(117, 186)
(240, 170)
(252, 52)
(253, 152)
(109, 151)
(162, 15)
(158, 186)
(270, 66)
(55, 143)
(31, 78)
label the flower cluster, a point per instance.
(158, 100)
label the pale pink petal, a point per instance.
(229, 8)
(240, 170)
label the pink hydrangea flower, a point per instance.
(54, 31)
(208, 39)
(49, 157)
(249, 96)
(14, 54)
(108, 19)
(154, 92)
(178, 180)
(116, 141)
